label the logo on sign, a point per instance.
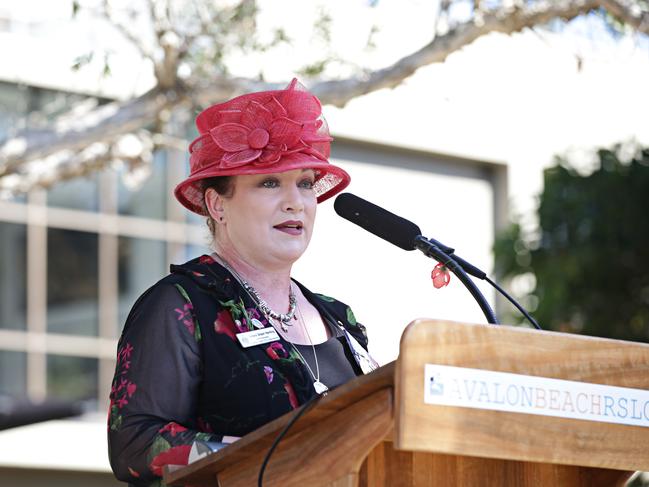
(435, 385)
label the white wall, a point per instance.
(386, 286)
(520, 99)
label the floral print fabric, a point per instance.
(181, 374)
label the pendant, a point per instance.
(320, 387)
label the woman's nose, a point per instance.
(292, 200)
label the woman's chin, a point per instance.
(288, 253)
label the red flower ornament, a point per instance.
(206, 259)
(292, 397)
(173, 428)
(177, 455)
(440, 276)
(276, 351)
(263, 133)
(224, 324)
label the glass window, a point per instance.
(72, 378)
(142, 262)
(195, 218)
(13, 100)
(46, 105)
(150, 199)
(76, 194)
(192, 251)
(16, 198)
(72, 282)
(13, 373)
(13, 272)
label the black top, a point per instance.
(334, 360)
(182, 375)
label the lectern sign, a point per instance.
(503, 391)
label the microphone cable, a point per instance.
(306, 407)
(515, 303)
(407, 235)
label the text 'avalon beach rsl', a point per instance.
(503, 391)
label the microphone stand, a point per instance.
(431, 250)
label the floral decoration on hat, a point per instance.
(263, 132)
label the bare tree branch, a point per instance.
(506, 21)
(108, 14)
(629, 12)
(103, 123)
(110, 121)
(166, 69)
(132, 150)
(170, 142)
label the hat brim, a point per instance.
(330, 179)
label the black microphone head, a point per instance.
(376, 220)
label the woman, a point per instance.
(228, 342)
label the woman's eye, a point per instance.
(270, 183)
(307, 184)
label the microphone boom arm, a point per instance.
(431, 250)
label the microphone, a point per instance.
(376, 220)
(406, 235)
(393, 228)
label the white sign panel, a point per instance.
(503, 391)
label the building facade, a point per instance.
(75, 257)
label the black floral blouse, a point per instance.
(181, 374)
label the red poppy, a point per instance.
(176, 455)
(173, 428)
(276, 351)
(292, 398)
(130, 389)
(206, 259)
(225, 325)
(440, 276)
(272, 353)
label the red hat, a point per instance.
(260, 133)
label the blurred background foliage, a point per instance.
(585, 268)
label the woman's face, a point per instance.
(268, 220)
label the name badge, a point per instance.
(257, 337)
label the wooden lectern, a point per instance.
(377, 430)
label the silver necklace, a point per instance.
(319, 387)
(284, 319)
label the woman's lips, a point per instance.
(291, 227)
